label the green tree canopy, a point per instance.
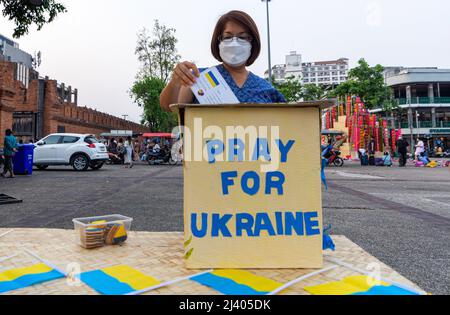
(157, 52)
(312, 92)
(145, 92)
(294, 91)
(368, 83)
(24, 13)
(291, 88)
(158, 56)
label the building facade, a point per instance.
(10, 51)
(326, 73)
(43, 106)
(423, 96)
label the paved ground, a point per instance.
(401, 216)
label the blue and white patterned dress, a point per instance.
(254, 90)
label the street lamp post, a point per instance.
(268, 38)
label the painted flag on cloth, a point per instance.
(20, 278)
(358, 285)
(237, 282)
(117, 280)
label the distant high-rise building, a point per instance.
(10, 51)
(329, 73)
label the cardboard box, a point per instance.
(240, 210)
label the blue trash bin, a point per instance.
(23, 160)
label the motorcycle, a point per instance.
(115, 159)
(160, 157)
(446, 154)
(335, 158)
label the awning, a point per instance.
(159, 135)
(331, 132)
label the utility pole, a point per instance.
(268, 38)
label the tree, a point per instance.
(158, 57)
(291, 88)
(37, 60)
(157, 53)
(312, 92)
(27, 12)
(368, 83)
(294, 91)
(145, 92)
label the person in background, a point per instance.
(402, 149)
(387, 159)
(120, 149)
(9, 150)
(129, 152)
(372, 150)
(420, 148)
(143, 146)
(156, 148)
(137, 150)
(364, 158)
(112, 147)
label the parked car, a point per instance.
(79, 151)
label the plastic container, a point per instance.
(23, 159)
(95, 232)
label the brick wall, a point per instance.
(57, 112)
(7, 98)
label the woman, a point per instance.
(420, 148)
(9, 150)
(129, 152)
(121, 150)
(235, 43)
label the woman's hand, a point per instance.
(178, 89)
(185, 74)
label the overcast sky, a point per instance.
(92, 46)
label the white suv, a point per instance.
(80, 151)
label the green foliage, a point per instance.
(157, 52)
(27, 12)
(294, 91)
(145, 92)
(312, 92)
(291, 88)
(158, 56)
(368, 83)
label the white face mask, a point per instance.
(235, 53)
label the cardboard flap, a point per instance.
(318, 104)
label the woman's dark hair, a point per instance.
(120, 140)
(8, 132)
(248, 23)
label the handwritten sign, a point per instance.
(252, 196)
